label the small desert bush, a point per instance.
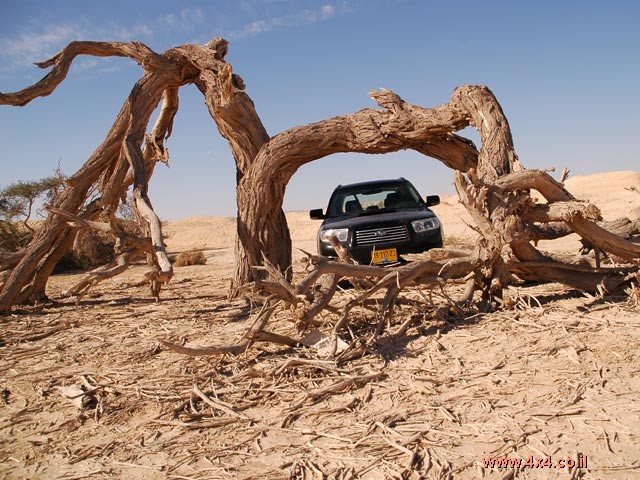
(192, 257)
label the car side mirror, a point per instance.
(316, 214)
(433, 200)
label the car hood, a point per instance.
(400, 216)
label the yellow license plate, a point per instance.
(384, 256)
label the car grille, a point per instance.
(382, 235)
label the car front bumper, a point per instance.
(418, 243)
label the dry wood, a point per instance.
(337, 387)
(216, 404)
(9, 259)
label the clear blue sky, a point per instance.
(565, 72)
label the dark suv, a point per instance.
(378, 221)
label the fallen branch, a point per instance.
(217, 404)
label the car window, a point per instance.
(373, 198)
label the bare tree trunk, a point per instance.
(101, 170)
(261, 190)
(239, 123)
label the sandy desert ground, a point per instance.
(87, 391)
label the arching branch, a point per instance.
(398, 127)
(63, 60)
(107, 168)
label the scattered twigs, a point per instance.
(295, 362)
(330, 272)
(427, 272)
(217, 404)
(41, 336)
(337, 387)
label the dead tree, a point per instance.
(491, 183)
(127, 157)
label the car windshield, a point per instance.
(371, 199)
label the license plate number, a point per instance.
(384, 256)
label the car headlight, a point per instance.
(342, 234)
(420, 226)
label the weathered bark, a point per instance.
(107, 169)
(399, 126)
(261, 229)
